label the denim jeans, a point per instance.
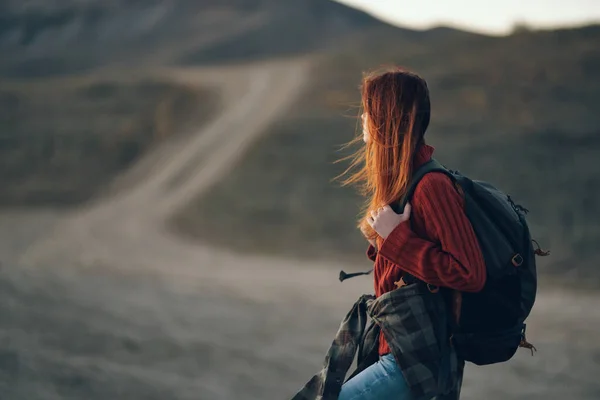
(382, 380)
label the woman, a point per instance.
(432, 240)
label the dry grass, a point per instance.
(59, 144)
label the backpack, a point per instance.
(490, 324)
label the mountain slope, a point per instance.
(74, 35)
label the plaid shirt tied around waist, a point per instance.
(414, 322)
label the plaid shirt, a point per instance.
(414, 323)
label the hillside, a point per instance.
(61, 142)
(518, 111)
(72, 36)
(87, 133)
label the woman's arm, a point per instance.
(452, 258)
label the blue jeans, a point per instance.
(382, 380)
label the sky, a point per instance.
(487, 16)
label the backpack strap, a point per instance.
(432, 165)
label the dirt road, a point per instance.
(105, 303)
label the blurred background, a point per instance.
(169, 227)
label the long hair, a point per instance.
(397, 110)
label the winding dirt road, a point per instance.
(110, 305)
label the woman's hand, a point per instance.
(385, 220)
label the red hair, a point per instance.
(396, 104)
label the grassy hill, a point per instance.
(73, 36)
(518, 111)
(61, 142)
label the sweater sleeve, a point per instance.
(371, 252)
(452, 257)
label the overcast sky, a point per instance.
(490, 16)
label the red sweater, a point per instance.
(437, 245)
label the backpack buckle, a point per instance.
(433, 288)
(517, 260)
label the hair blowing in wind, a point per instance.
(396, 106)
